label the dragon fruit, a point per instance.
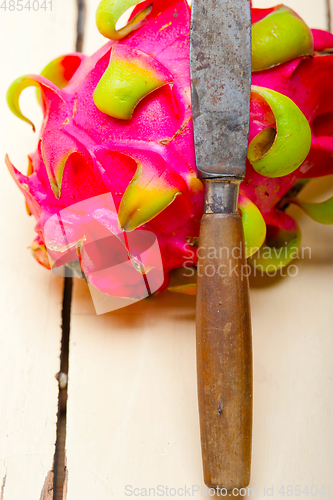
(120, 122)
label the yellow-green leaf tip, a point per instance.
(145, 197)
(253, 224)
(14, 93)
(319, 212)
(277, 252)
(280, 37)
(276, 153)
(109, 12)
(130, 76)
(190, 289)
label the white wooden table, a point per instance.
(132, 417)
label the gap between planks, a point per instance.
(60, 471)
(3, 487)
(59, 482)
(329, 14)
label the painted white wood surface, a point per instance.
(132, 408)
(30, 297)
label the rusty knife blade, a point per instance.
(221, 85)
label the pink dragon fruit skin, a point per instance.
(147, 162)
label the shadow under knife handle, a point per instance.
(224, 350)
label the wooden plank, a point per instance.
(293, 352)
(30, 305)
(132, 407)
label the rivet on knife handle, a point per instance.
(221, 88)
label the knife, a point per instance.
(220, 44)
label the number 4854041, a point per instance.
(304, 491)
(20, 5)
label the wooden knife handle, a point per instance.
(224, 352)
